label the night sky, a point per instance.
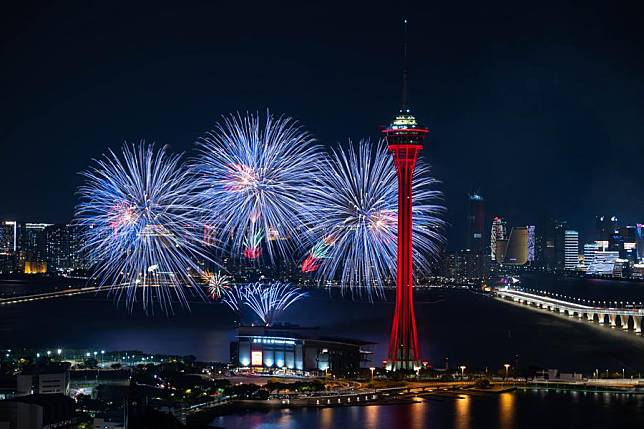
(538, 106)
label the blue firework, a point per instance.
(357, 204)
(137, 214)
(254, 179)
(267, 301)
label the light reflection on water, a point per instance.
(463, 415)
(524, 409)
(506, 410)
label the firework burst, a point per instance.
(357, 195)
(267, 301)
(216, 283)
(136, 215)
(253, 176)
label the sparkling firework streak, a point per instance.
(253, 175)
(217, 283)
(253, 243)
(136, 215)
(267, 301)
(357, 200)
(314, 259)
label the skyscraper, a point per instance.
(475, 223)
(498, 232)
(531, 244)
(571, 240)
(33, 248)
(604, 227)
(64, 246)
(516, 252)
(8, 247)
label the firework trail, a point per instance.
(216, 283)
(136, 215)
(254, 177)
(357, 203)
(267, 301)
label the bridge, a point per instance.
(20, 299)
(628, 318)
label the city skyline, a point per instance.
(530, 99)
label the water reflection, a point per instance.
(371, 416)
(506, 410)
(463, 417)
(418, 414)
(326, 418)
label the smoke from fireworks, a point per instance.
(253, 176)
(267, 301)
(136, 215)
(357, 203)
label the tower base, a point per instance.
(401, 365)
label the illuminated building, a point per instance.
(405, 141)
(44, 380)
(516, 252)
(604, 227)
(531, 243)
(8, 247)
(559, 236)
(590, 250)
(475, 223)
(64, 249)
(571, 240)
(501, 247)
(295, 349)
(639, 241)
(628, 248)
(33, 248)
(463, 265)
(498, 232)
(603, 263)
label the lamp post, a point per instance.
(507, 366)
(462, 368)
(372, 369)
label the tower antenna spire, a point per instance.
(403, 98)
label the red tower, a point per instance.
(405, 141)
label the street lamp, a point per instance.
(507, 366)
(462, 367)
(372, 369)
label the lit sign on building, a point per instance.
(268, 340)
(256, 358)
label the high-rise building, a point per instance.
(639, 241)
(604, 227)
(571, 249)
(498, 232)
(33, 248)
(531, 244)
(559, 238)
(463, 265)
(9, 247)
(545, 244)
(628, 248)
(64, 249)
(590, 250)
(475, 223)
(8, 237)
(516, 252)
